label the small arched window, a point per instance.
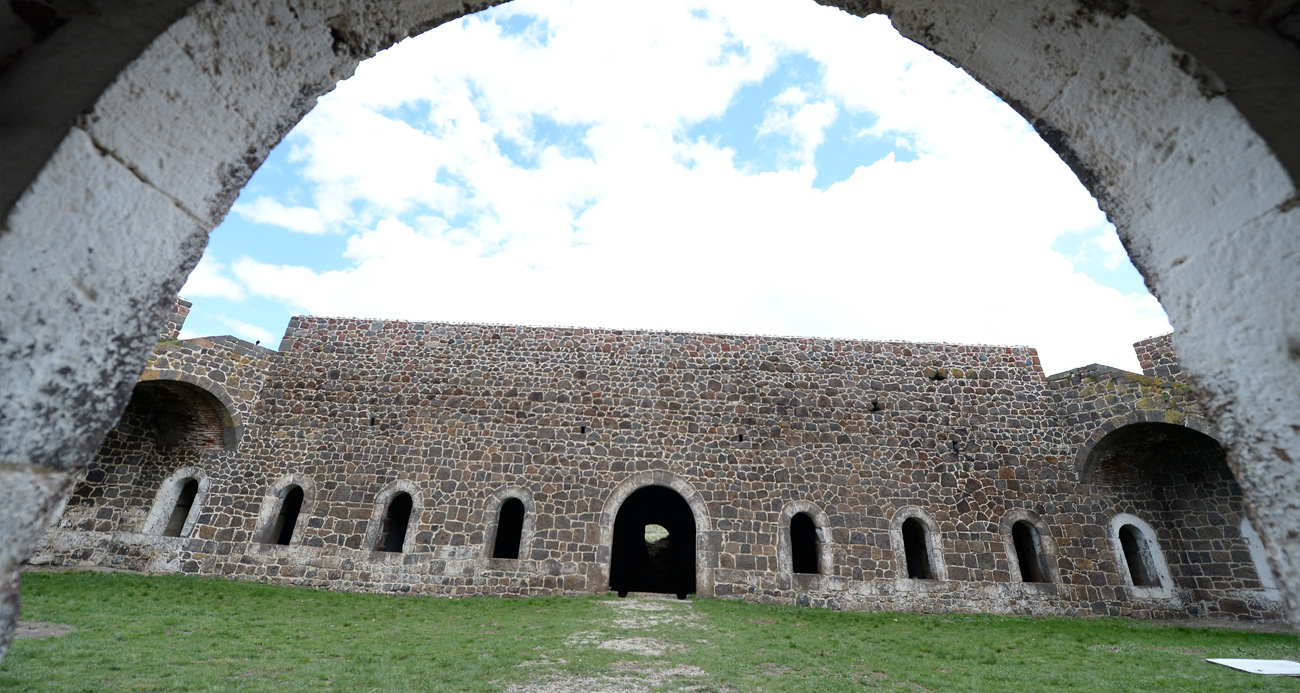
(287, 519)
(916, 545)
(396, 522)
(510, 529)
(1029, 552)
(916, 542)
(181, 511)
(175, 510)
(804, 544)
(1137, 555)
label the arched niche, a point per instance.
(1030, 549)
(296, 489)
(820, 545)
(172, 493)
(494, 515)
(168, 423)
(918, 546)
(186, 415)
(1132, 449)
(1139, 558)
(379, 531)
(1179, 479)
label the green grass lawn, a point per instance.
(135, 632)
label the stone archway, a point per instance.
(191, 403)
(116, 214)
(1086, 458)
(702, 545)
(641, 563)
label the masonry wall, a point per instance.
(747, 429)
(175, 319)
(216, 382)
(1157, 358)
(1182, 487)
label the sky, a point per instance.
(738, 167)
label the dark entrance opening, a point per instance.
(916, 544)
(1136, 555)
(804, 546)
(181, 512)
(1028, 552)
(287, 519)
(641, 563)
(510, 529)
(396, 520)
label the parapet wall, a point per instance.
(1157, 358)
(175, 319)
(749, 431)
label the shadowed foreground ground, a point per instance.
(117, 631)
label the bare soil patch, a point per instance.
(637, 620)
(41, 629)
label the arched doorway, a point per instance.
(652, 561)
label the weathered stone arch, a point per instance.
(375, 528)
(1085, 458)
(706, 539)
(158, 149)
(1046, 546)
(934, 545)
(220, 400)
(165, 500)
(825, 540)
(271, 501)
(492, 518)
(1157, 558)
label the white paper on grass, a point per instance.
(1268, 667)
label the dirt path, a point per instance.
(636, 628)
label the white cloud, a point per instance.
(265, 210)
(804, 123)
(1114, 255)
(208, 280)
(649, 230)
(246, 331)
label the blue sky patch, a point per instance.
(569, 139)
(417, 114)
(269, 314)
(1088, 257)
(733, 48)
(847, 147)
(533, 28)
(737, 128)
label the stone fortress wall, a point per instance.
(837, 473)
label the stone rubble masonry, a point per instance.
(1157, 358)
(175, 319)
(746, 428)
